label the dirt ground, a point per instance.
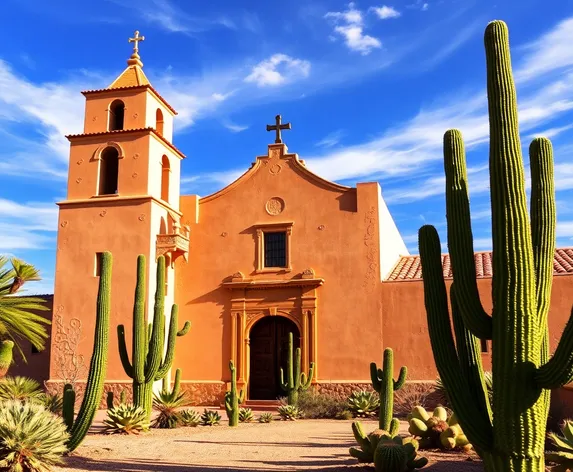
(318, 445)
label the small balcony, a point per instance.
(173, 245)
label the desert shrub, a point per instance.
(126, 419)
(168, 404)
(412, 395)
(363, 402)
(245, 415)
(289, 412)
(266, 417)
(31, 438)
(190, 417)
(345, 415)
(316, 405)
(210, 418)
(52, 402)
(20, 388)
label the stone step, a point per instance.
(261, 405)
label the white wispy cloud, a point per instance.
(350, 25)
(385, 12)
(235, 128)
(277, 70)
(331, 139)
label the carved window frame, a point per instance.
(261, 229)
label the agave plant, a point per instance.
(167, 403)
(20, 388)
(190, 417)
(31, 438)
(289, 412)
(245, 415)
(266, 417)
(18, 317)
(126, 419)
(52, 402)
(363, 402)
(563, 453)
(210, 418)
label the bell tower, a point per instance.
(123, 197)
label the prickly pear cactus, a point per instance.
(437, 430)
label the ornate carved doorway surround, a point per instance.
(253, 299)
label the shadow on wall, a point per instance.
(38, 365)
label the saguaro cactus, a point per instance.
(384, 383)
(233, 399)
(148, 362)
(509, 434)
(78, 427)
(296, 380)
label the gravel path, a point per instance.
(319, 445)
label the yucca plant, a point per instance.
(6, 356)
(289, 412)
(31, 438)
(18, 320)
(363, 402)
(20, 388)
(563, 445)
(167, 403)
(190, 417)
(126, 419)
(266, 417)
(52, 402)
(210, 418)
(245, 415)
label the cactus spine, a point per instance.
(148, 363)
(385, 385)
(296, 380)
(510, 433)
(233, 399)
(78, 427)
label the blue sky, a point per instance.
(369, 87)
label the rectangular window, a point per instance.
(275, 249)
(97, 268)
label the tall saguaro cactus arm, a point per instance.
(98, 364)
(385, 385)
(296, 380)
(171, 338)
(233, 398)
(558, 371)
(460, 237)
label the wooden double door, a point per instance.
(268, 353)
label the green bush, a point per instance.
(20, 388)
(52, 402)
(126, 419)
(31, 438)
(318, 406)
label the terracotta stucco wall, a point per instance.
(335, 232)
(405, 326)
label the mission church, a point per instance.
(279, 250)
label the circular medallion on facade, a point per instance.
(135, 115)
(275, 169)
(79, 180)
(275, 206)
(80, 161)
(321, 227)
(224, 234)
(64, 223)
(134, 175)
(136, 155)
(103, 213)
(141, 217)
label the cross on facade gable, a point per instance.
(136, 40)
(278, 127)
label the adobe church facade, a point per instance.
(279, 250)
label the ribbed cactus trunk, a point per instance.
(509, 435)
(148, 363)
(383, 382)
(296, 380)
(232, 398)
(79, 426)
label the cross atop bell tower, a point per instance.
(135, 59)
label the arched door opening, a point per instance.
(268, 353)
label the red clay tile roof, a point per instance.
(409, 267)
